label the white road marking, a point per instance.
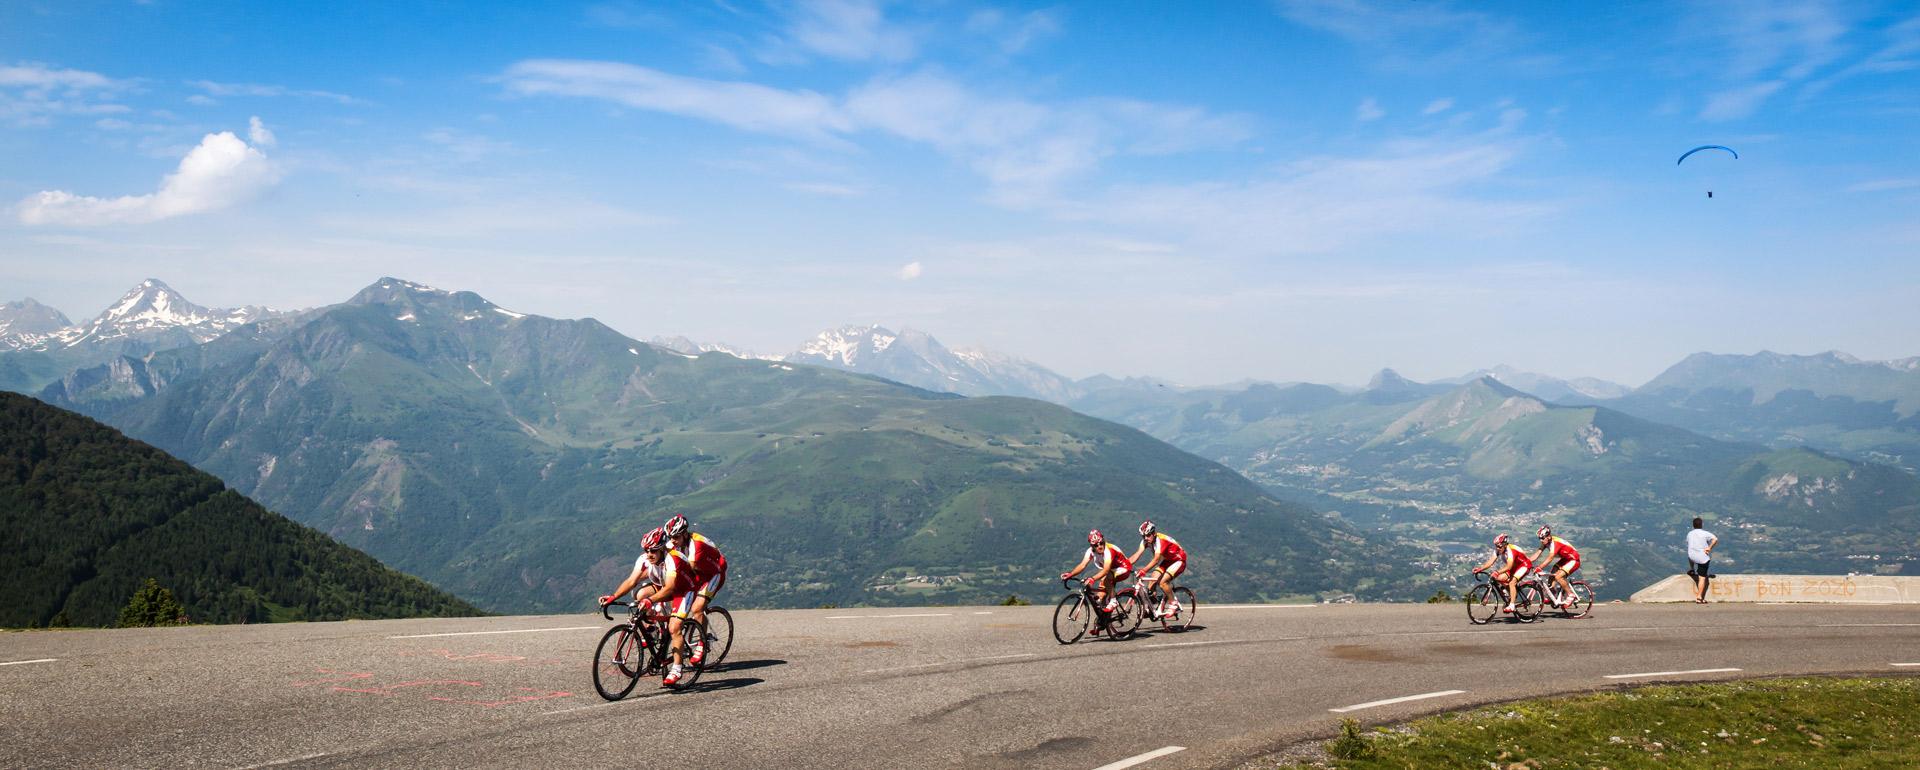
(1715, 627)
(1401, 699)
(1868, 625)
(903, 615)
(25, 662)
(287, 761)
(983, 613)
(1464, 631)
(1261, 606)
(949, 662)
(1135, 760)
(483, 633)
(1196, 644)
(1904, 665)
(1673, 673)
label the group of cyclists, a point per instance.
(1168, 557)
(680, 570)
(1514, 564)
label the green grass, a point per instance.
(1777, 723)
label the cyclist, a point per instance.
(1515, 566)
(1114, 567)
(1566, 562)
(674, 577)
(709, 567)
(1168, 556)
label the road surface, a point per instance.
(948, 686)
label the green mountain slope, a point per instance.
(516, 459)
(90, 514)
(1450, 470)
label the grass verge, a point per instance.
(1829, 723)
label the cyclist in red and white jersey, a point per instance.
(1514, 565)
(1168, 556)
(675, 580)
(709, 567)
(1566, 561)
(1114, 566)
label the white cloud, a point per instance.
(1369, 111)
(467, 146)
(1420, 36)
(831, 189)
(221, 172)
(1737, 103)
(213, 88)
(258, 133)
(1014, 33)
(910, 271)
(1884, 185)
(1438, 106)
(32, 94)
(748, 106)
(849, 30)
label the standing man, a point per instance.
(1700, 545)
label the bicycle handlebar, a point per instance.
(606, 609)
(1068, 582)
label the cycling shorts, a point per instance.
(1121, 573)
(711, 585)
(1175, 569)
(682, 604)
(1571, 566)
(1520, 571)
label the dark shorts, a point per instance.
(1698, 570)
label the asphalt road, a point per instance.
(948, 686)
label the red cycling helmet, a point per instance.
(1545, 532)
(1095, 538)
(1500, 540)
(676, 526)
(654, 540)
(1147, 529)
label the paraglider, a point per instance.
(1689, 153)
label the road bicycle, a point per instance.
(1147, 588)
(1550, 591)
(1485, 600)
(638, 648)
(1079, 614)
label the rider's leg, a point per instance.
(1506, 578)
(1566, 588)
(674, 642)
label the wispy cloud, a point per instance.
(259, 134)
(32, 94)
(1014, 32)
(261, 90)
(1736, 103)
(466, 146)
(1885, 185)
(1369, 111)
(848, 30)
(1437, 106)
(910, 271)
(743, 105)
(1761, 48)
(830, 189)
(221, 172)
(1424, 36)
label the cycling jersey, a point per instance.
(1517, 560)
(1109, 554)
(1565, 552)
(1168, 549)
(676, 566)
(649, 572)
(704, 556)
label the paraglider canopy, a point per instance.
(1685, 155)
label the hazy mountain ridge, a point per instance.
(150, 317)
(515, 459)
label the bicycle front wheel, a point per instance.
(1125, 620)
(617, 663)
(1070, 619)
(1526, 606)
(1582, 599)
(691, 633)
(1185, 607)
(1482, 604)
(719, 635)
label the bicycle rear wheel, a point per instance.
(1070, 619)
(1582, 599)
(617, 663)
(719, 636)
(1125, 620)
(1185, 608)
(1482, 604)
(1527, 603)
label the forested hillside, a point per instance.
(89, 514)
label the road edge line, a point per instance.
(1401, 699)
(1142, 758)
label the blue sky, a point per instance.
(1286, 190)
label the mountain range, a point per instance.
(515, 460)
(90, 515)
(38, 344)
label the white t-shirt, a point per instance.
(1697, 545)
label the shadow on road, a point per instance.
(743, 665)
(716, 685)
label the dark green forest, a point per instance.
(88, 515)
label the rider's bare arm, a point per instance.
(1134, 558)
(628, 584)
(1078, 567)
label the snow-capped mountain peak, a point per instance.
(27, 319)
(683, 345)
(845, 346)
(145, 313)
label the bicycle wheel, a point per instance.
(719, 636)
(1071, 618)
(1125, 620)
(1582, 599)
(1185, 608)
(691, 632)
(1526, 606)
(1482, 604)
(617, 663)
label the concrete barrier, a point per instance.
(1827, 589)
